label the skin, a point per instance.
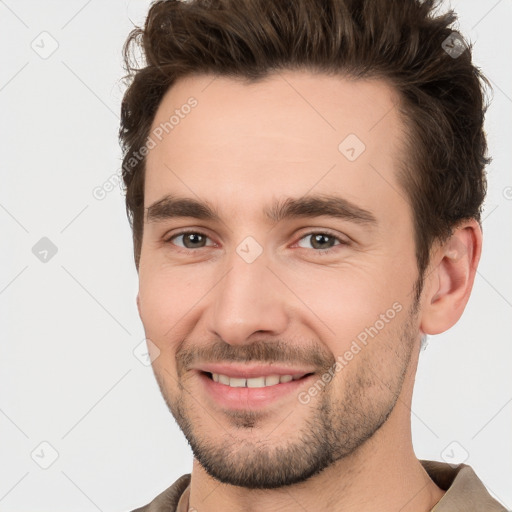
(241, 147)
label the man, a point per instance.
(304, 182)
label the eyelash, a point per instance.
(305, 235)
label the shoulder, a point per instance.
(465, 492)
(167, 501)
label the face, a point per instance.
(277, 270)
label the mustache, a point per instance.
(254, 352)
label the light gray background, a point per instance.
(69, 326)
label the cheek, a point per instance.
(165, 298)
(345, 302)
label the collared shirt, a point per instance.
(464, 492)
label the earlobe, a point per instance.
(450, 279)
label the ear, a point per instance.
(449, 278)
(138, 303)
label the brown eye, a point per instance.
(321, 241)
(189, 240)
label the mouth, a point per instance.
(262, 381)
(252, 392)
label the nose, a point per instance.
(247, 300)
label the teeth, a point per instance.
(223, 379)
(237, 383)
(271, 380)
(254, 382)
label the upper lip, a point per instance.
(249, 371)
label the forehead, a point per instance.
(294, 132)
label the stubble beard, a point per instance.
(335, 426)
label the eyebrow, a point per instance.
(311, 206)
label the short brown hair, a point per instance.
(400, 41)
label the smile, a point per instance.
(254, 382)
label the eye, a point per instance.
(322, 241)
(190, 240)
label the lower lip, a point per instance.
(250, 398)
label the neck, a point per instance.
(383, 474)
